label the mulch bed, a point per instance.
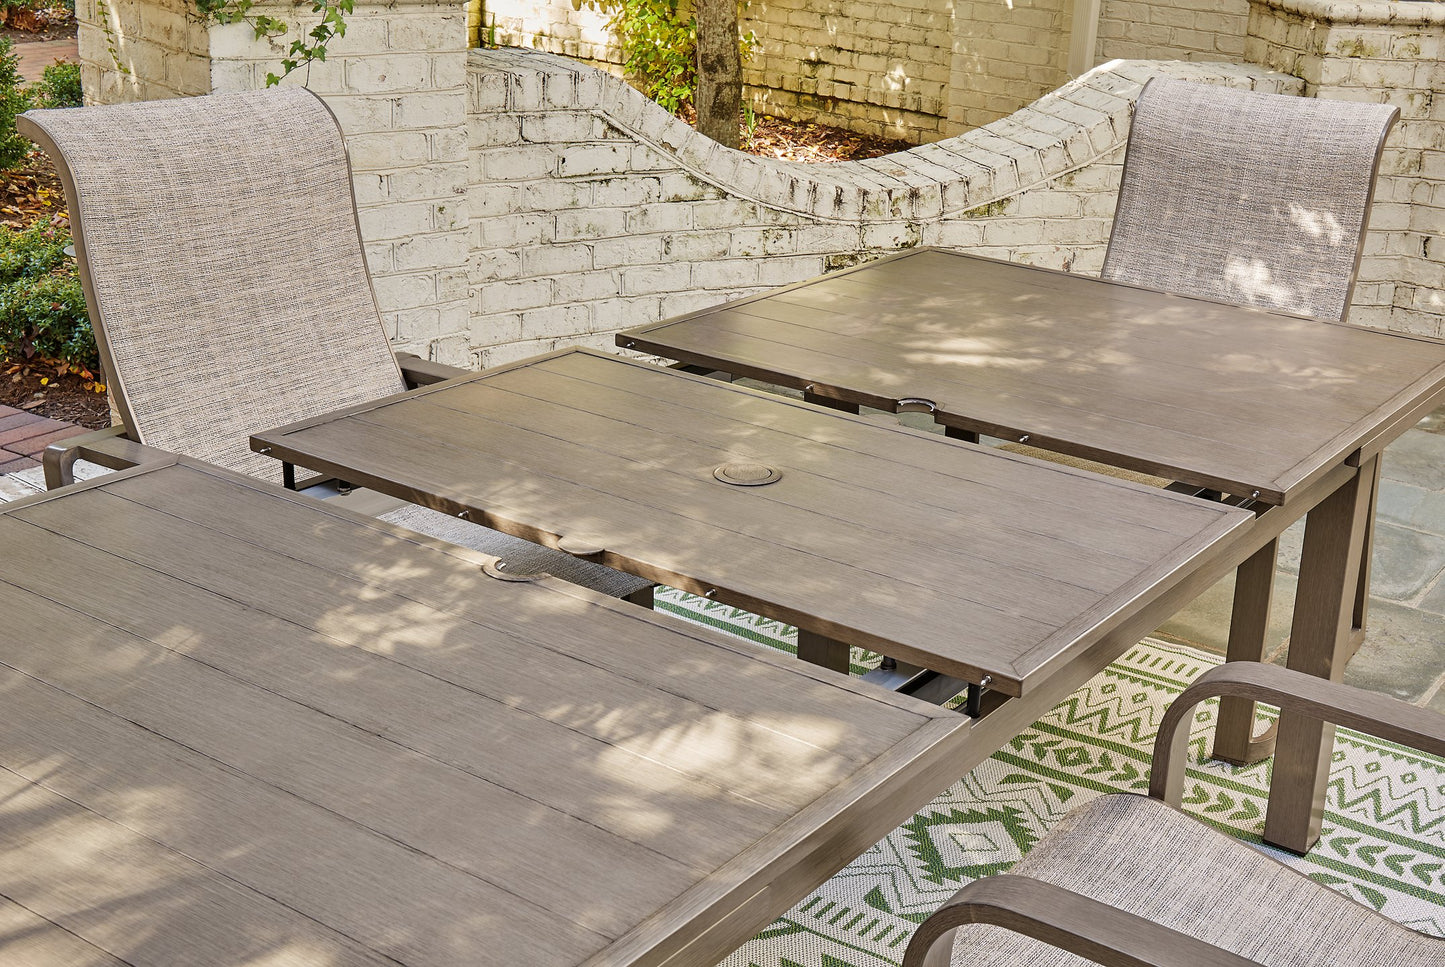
(61, 398)
(30, 193)
(815, 143)
(21, 24)
(808, 142)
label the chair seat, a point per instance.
(1139, 855)
(522, 556)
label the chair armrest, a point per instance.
(1369, 712)
(1064, 919)
(422, 372)
(109, 447)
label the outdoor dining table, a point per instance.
(246, 727)
(1287, 412)
(990, 568)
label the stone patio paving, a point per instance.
(1404, 651)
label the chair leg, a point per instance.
(1234, 738)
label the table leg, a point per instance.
(643, 596)
(824, 651)
(1319, 644)
(1234, 738)
(1362, 589)
(959, 433)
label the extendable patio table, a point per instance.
(1288, 412)
(245, 727)
(989, 568)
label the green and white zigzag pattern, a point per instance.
(1383, 841)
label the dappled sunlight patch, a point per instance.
(1315, 223)
(740, 752)
(1254, 281)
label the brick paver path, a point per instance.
(24, 436)
(34, 56)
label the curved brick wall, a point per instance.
(593, 210)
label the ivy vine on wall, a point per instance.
(303, 50)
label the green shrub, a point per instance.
(59, 86)
(659, 39)
(32, 253)
(14, 98)
(42, 304)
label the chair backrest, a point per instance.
(1257, 199)
(221, 258)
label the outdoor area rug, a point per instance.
(1383, 841)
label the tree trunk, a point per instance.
(719, 71)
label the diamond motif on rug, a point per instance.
(1382, 843)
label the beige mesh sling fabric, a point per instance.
(223, 269)
(1138, 855)
(1250, 198)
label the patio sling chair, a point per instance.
(221, 257)
(1252, 199)
(1248, 198)
(1128, 881)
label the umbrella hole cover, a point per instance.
(746, 474)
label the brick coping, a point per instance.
(1065, 130)
(1367, 12)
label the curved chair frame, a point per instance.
(1104, 934)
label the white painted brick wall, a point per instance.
(141, 50)
(1172, 29)
(1004, 57)
(884, 71)
(398, 84)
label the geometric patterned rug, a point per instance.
(1383, 840)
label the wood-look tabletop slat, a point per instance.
(309, 600)
(900, 466)
(269, 718)
(957, 557)
(681, 550)
(806, 513)
(442, 718)
(644, 654)
(1170, 451)
(920, 460)
(323, 866)
(811, 506)
(1183, 387)
(1142, 391)
(88, 891)
(1312, 353)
